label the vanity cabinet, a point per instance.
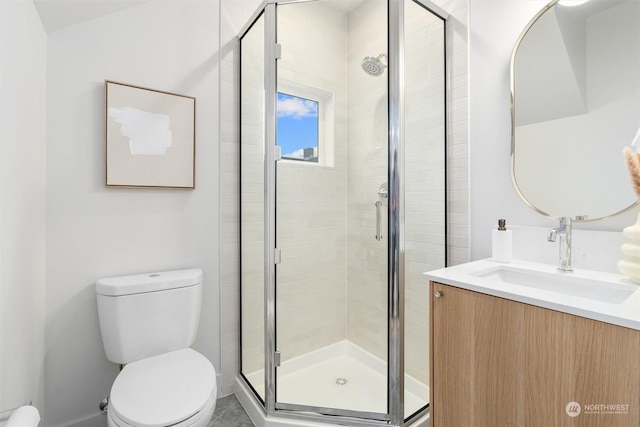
(497, 362)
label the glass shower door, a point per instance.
(331, 221)
(424, 188)
(252, 207)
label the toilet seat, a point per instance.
(201, 419)
(171, 389)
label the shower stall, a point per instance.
(342, 207)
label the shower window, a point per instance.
(305, 123)
(298, 127)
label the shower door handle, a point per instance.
(378, 220)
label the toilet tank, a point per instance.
(145, 315)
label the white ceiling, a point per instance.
(56, 14)
(347, 5)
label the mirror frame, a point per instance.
(513, 127)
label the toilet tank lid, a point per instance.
(148, 282)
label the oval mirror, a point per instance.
(575, 87)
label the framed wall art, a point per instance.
(149, 138)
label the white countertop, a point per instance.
(626, 313)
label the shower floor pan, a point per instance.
(341, 376)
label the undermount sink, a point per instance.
(567, 283)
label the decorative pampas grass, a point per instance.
(633, 163)
(629, 265)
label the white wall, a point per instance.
(94, 232)
(22, 204)
(495, 26)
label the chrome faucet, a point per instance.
(564, 231)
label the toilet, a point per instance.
(148, 323)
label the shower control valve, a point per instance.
(383, 192)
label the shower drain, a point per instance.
(341, 381)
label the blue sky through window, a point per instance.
(297, 127)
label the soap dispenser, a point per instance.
(501, 243)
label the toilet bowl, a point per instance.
(175, 389)
(148, 323)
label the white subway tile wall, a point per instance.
(458, 130)
(367, 156)
(424, 167)
(311, 211)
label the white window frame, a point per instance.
(326, 118)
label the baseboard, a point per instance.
(99, 420)
(249, 403)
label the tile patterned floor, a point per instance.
(229, 413)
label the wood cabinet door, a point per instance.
(451, 356)
(571, 360)
(476, 352)
(497, 362)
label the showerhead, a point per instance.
(374, 66)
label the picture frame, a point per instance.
(149, 138)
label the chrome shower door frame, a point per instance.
(395, 251)
(270, 101)
(396, 213)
